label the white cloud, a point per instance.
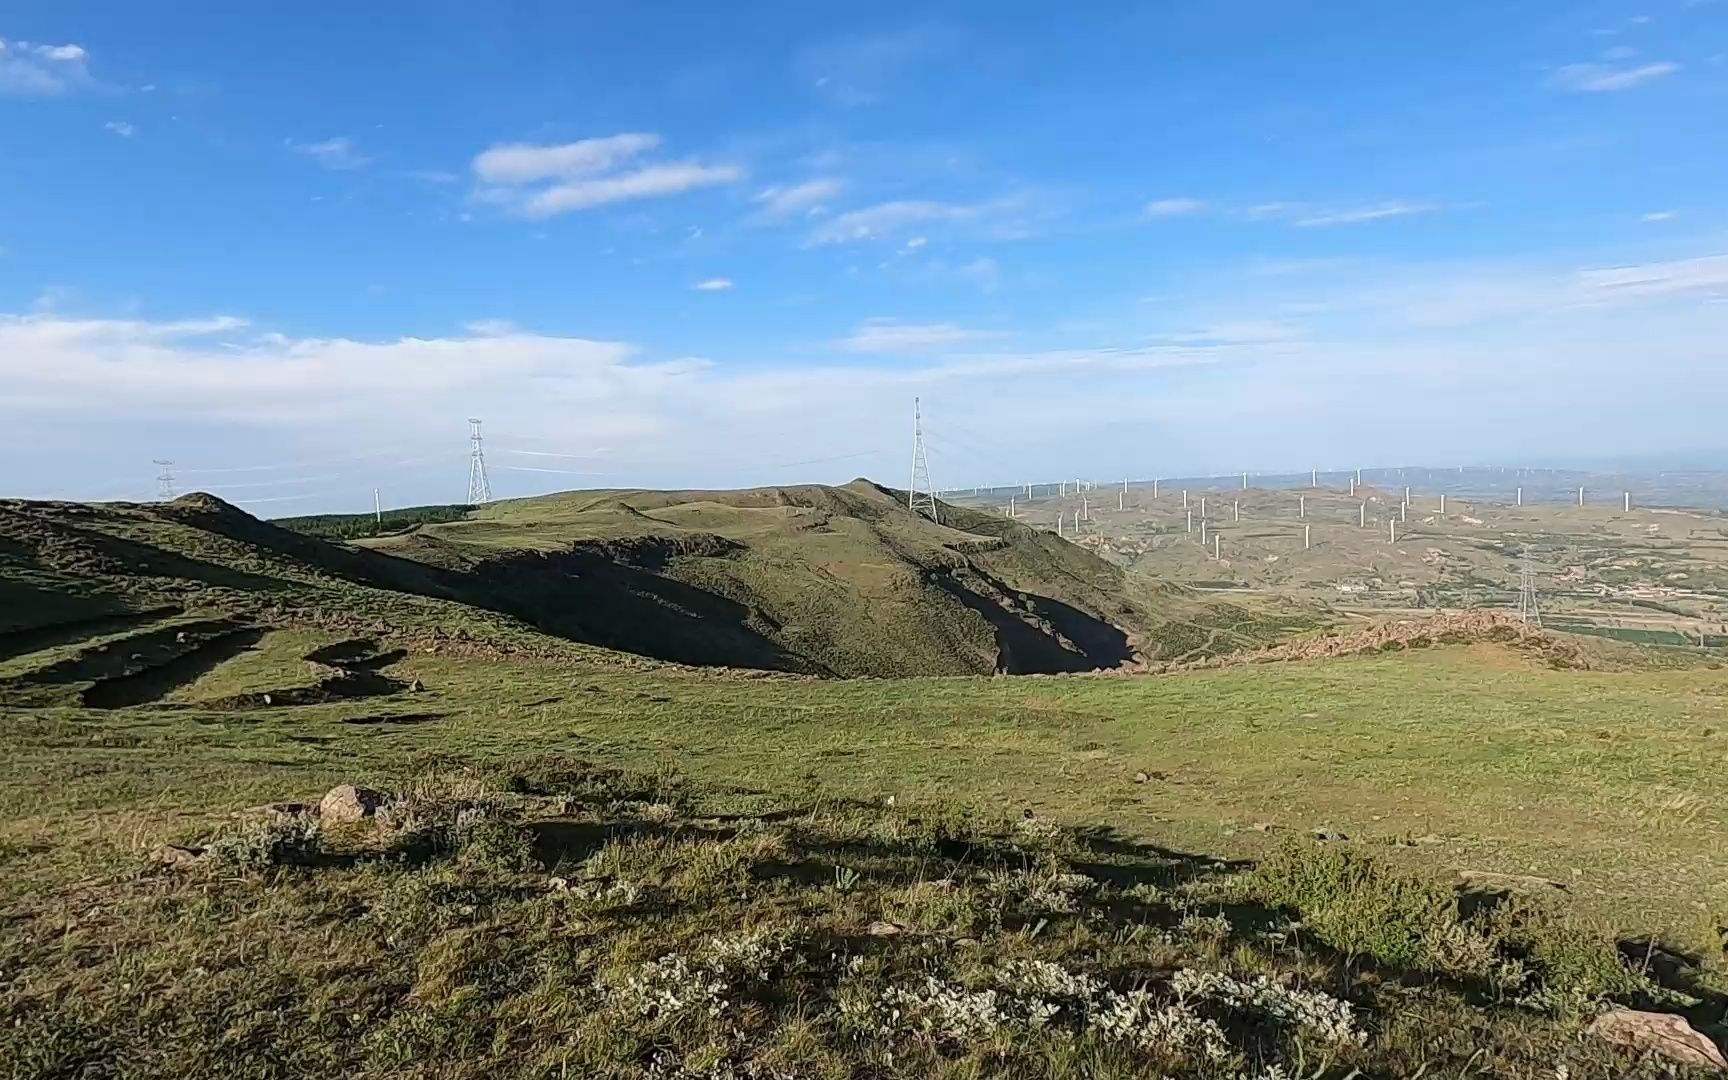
(1177, 207)
(217, 370)
(1356, 214)
(1598, 78)
(996, 219)
(890, 336)
(524, 163)
(1583, 360)
(544, 181)
(120, 128)
(1708, 272)
(650, 182)
(1660, 215)
(808, 197)
(338, 154)
(718, 284)
(28, 69)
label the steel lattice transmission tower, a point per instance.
(164, 480)
(1527, 609)
(479, 488)
(920, 500)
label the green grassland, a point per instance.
(1442, 860)
(1602, 792)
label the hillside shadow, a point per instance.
(1024, 648)
(108, 617)
(88, 551)
(155, 683)
(587, 596)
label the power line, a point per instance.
(479, 488)
(561, 472)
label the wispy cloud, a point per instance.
(1705, 273)
(1356, 214)
(29, 69)
(1000, 218)
(891, 336)
(524, 163)
(120, 128)
(1659, 215)
(808, 197)
(543, 181)
(1600, 78)
(1176, 207)
(718, 284)
(339, 154)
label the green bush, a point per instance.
(1358, 906)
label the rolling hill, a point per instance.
(827, 581)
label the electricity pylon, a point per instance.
(1527, 609)
(920, 499)
(479, 489)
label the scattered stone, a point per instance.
(1428, 838)
(180, 638)
(1141, 777)
(558, 884)
(267, 699)
(177, 856)
(416, 687)
(884, 929)
(1324, 835)
(349, 803)
(1264, 826)
(1661, 1033)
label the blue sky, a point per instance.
(712, 245)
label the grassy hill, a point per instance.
(826, 580)
(133, 603)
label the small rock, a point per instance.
(884, 929)
(1428, 838)
(1264, 826)
(1324, 835)
(175, 855)
(267, 699)
(966, 942)
(349, 803)
(416, 687)
(1141, 778)
(558, 884)
(1661, 1033)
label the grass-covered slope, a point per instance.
(820, 580)
(829, 580)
